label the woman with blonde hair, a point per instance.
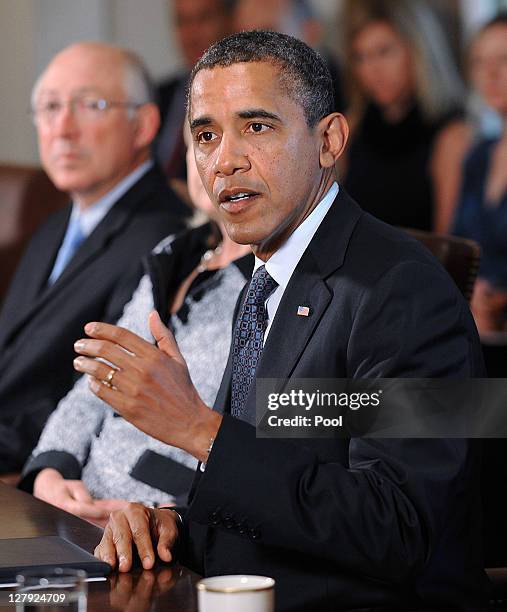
(406, 97)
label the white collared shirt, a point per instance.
(91, 216)
(283, 262)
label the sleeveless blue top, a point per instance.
(483, 221)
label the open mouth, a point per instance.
(238, 197)
(234, 200)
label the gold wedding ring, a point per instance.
(108, 381)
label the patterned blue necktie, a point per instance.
(72, 241)
(249, 337)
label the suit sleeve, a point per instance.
(381, 516)
(66, 438)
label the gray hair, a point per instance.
(137, 81)
(439, 88)
(303, 72)
(138, 84)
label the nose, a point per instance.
(231, 156)
(370, 70)
(65, 123)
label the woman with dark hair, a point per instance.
(482, 210)
(407, 132)
(482, 216)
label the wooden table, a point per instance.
(170, 588)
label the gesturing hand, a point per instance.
(150, 387)
(143, 527)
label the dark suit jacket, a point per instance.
(350, 523)
(39, 323)
(169, 146)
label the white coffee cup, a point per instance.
(236, 593)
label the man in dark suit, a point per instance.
(197, 25)
(95, 120)
(338, 523)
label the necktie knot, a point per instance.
(261, 287)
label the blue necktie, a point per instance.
(249, 338)
(73, 238)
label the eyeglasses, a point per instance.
(84, 108)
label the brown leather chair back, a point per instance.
(459, 256)
(27, 197)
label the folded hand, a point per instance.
(147, 529)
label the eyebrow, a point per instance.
(249, 113)
(200, 122)
(258, 113)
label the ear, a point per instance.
(147, 120)
(334, 132)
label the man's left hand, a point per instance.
(152, 532)
(150, 387)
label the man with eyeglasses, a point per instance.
(95, 118)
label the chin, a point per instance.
(497, 103)
(67, 181)
(242, 234)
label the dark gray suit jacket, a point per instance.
(353, 523)
(39, 323)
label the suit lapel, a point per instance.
(223, 400)
(109, 226)
(290, 334)
(40, 270)
(36, 268)
(112, 224)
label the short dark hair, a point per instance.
(302, 70)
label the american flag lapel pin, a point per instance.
(303, 311)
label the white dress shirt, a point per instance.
(88, 219)
(283, 262)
